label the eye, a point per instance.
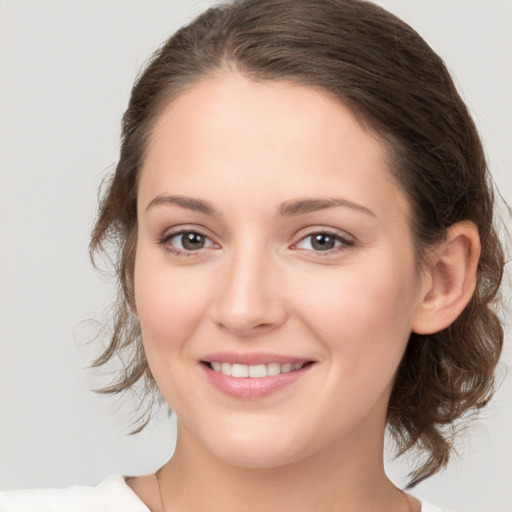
(322, 241)
(186, 241)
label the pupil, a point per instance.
(323, 242)
(192, 241)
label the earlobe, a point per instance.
(450, 280)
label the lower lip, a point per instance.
(252, 388)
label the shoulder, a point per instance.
(112, 495)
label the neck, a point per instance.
(348, 476)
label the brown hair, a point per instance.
(398, 88)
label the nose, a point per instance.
(250, 298)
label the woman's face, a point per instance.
(271, 237)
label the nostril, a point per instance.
(262, 326)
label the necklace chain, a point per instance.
(157, 474)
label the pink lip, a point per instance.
(246, 387)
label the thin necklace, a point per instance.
(157, 474)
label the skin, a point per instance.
(258, 284)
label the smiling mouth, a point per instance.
(253, 376)
(256, 371)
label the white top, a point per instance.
(112, 495)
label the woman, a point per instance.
(307, 254)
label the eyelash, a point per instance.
(343, 243)
(164, 242)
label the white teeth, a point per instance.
(286, 368)
(273, 369)
(239, 370)
(255, 371)
(258, 370)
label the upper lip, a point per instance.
(251, 358)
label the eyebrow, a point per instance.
(197, 205)
(292, 207)
(303, 206)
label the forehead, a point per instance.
(277, 138)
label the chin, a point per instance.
(257, 451)
(258, 458)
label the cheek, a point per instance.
(363, 313)
(168, 305)
(364, 326)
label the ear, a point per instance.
(450, 279)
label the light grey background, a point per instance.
(66, 68)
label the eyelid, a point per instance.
(180, 230)
(345, 239)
